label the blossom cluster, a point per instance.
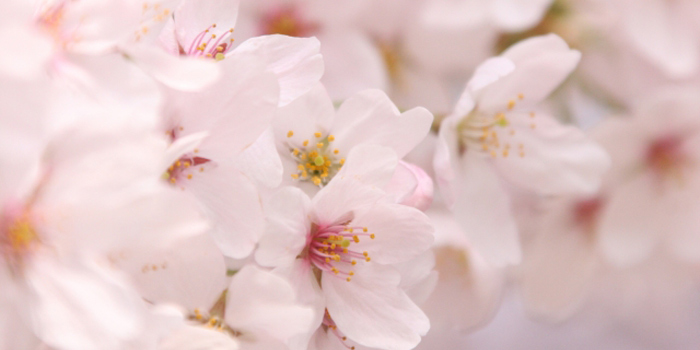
(346, 174)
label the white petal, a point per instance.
(287, 227)
(81, 307)
(371, 165)
(182, 73)
(372, 311)
(232, 203)
(401, 232)
(370, 117)
(336, 202)
(541, 64)
(483, 210)
(190, 272)
(262, 302)
(296, 62)
(308, 114)
(235, 110)
(261, 162)
(550, 158)
(352, 63)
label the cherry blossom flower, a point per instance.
(209, 130)
(651, 203)
(255, 309)
(314, 139)
(54, 266)
(495, 137)
(340, 249)
(207, 28)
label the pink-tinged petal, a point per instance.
(79, 306)
(15, 325)
(261, 162)
(168, 39)
(370, 117)
(308, 114)
(660, 31)
(231, 201)
(485, 74)
(181, 73)
(262, 302)
(559, 265)
(541, 64)
(190, 272)
(633, 221)
(550, 158)
(400, 232)
(32, 60)
(296, 62)
(418, 276)
(372, 165)
(235, 111)
(483, 210)
(468, 291)
(287, 227)
(446, 161)
(353, 63)
(371, 309)
(411, 185)
(195, 16)
(518, 15)
(198, 338)
(301, 275)
(336, 202)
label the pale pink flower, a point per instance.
(652, 202)
(206, 29)
(341, 249)
(209, 130)
(93, 192)
(314, 139)
(496, 138)
(253, 309)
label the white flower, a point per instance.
(495, 137)
(209, 130)
(206, 28)
(652, 203)
(340, 249)
(254, 309)
(314, 139)
(93, 192)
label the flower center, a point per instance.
(586, 213)
(317, 162)
(393, 61)
(18, 237)
(330, 249)
(210, 45)
(285, 20)
(187, 165)
(665, 157)
(493, 134)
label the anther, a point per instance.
(290, 133)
